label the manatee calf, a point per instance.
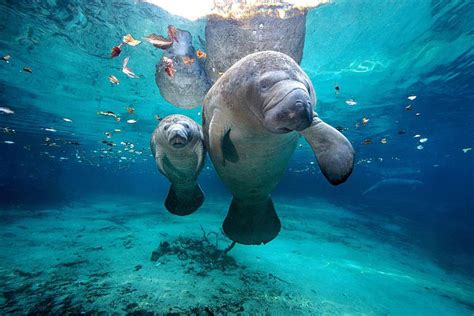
(252, 118)
(180, 75)
(178, 148)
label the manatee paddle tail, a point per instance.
(184, 202)
(251, 222)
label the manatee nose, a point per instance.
(300, 116)
(178, 139)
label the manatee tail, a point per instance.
(252, 222)
(184, 202)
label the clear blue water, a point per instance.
(378, 52)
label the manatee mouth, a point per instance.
(178, 141)
(178, 138)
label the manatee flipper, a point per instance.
(217, 130)
(333, 151)
(184, 203)
(160, 158)
(199, 150)
(252, 222)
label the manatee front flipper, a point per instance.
(251, 222)
(218, 128)
(333, 151)
(179, 202)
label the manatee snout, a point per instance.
(294, 112)
(178, 136)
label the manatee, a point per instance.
(177, 145)
(252, 119)
(230, 38)
(402, 185)
(187, 87)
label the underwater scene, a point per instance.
(215, 157)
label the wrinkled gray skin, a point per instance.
(252, 118)
(228, 40)
(178, 149)
(187, 88)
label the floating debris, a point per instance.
(465, 150)
(423, 140)
(159, 41)
(6, 110)
(8, 130)
(48, 129)
(365, 120)
(127, 70)
(169, 66)
(117, 130)
(412, 97)
(108, 134)
(341, 129)
(367, 141)
(6, 58)
(200, 54)
(383, 140)
(338, 89)
(27, 69)
(131, 121)
(401, 132)
(187, 60)
(418, 114)
(67, 120)
(172, 33)
(8, 142)
(116, 50)
(419, 147)
(158, 118)
(109, 113)
(417, 136)
(130, 40)
(113, 79)
(409, 107)
(130, 110)
(108, 143)
(351, 102)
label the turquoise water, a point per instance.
(79, 222)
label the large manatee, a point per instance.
(178, 149)
(188, 84)
(252, 119)
(252, 29)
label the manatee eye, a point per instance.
(166, 127)
(185, 125)
(265, 84)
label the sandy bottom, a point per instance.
(130, 256)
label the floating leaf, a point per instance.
(200, 54)
(127, 70)
(130, 40)
(172, 33)
(116, 50)
(187, 60)
(159, 41)
(351, 102)
(113, 79)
